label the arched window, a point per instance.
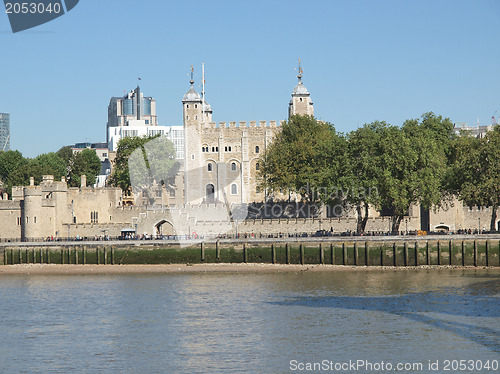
(257, 166)
(209, 166)
(234, 189)
(257, 149)
(233, 166)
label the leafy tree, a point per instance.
(412, 164)
(85, 163)
(66, 153)
(47, 164)
(144, 161)
(363, 170)
(305, 157)
(477, 171)
(12, 170)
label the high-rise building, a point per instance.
(135, 115)
(4, 131)
(133, 109)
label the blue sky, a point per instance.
(362, 60)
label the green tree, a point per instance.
(144, 160)
(306, 157)
(85, 163)
(477, 171)
(13, 170)
(362, 170)
(412, 164)
(47, 164)
(66, 153)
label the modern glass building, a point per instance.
(4, 132)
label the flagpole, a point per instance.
(203, 91)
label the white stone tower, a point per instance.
(301, 99)
(192, 119)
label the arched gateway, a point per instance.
(164, 228)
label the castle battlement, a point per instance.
(244, 124)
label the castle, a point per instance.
(219, 172)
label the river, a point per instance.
(252, 322)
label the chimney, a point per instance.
(83, 179)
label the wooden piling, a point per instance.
(428, 260)
(355, 253)
(112, 255)
(287, 253)
(321, 254)
(301, 254)
(366, 253)
(416, 253)
(105, 255)
(69, 255)
(394, 258)
(463, 253)
(332, 254)
(84, 255)
(47, 256)
(20, 256)
(344, 254)
(245, 254)
(27, 254)
(217, 251)
(76, 256)
(405, 249)
(273, 254)
(41, 255)
(97, 255)
(486, 251)
(439, 252)
(202, 250)
(382, 256)
(62, 257)
(12, 260)
(4, 256)
(475, 252)
(450, 248)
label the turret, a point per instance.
(300, 103)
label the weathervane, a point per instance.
(192, 75)
(300, 72)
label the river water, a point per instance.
(251, 322)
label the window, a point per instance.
(257, 149)
(209, 166)
(213, 149)
(234, 189)
(196, 106)
(94, 217)
(233, 166)
(187, 106)
(257, 166)
(172, 193)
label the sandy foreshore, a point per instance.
(198, 268)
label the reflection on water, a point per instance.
(257, 322)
